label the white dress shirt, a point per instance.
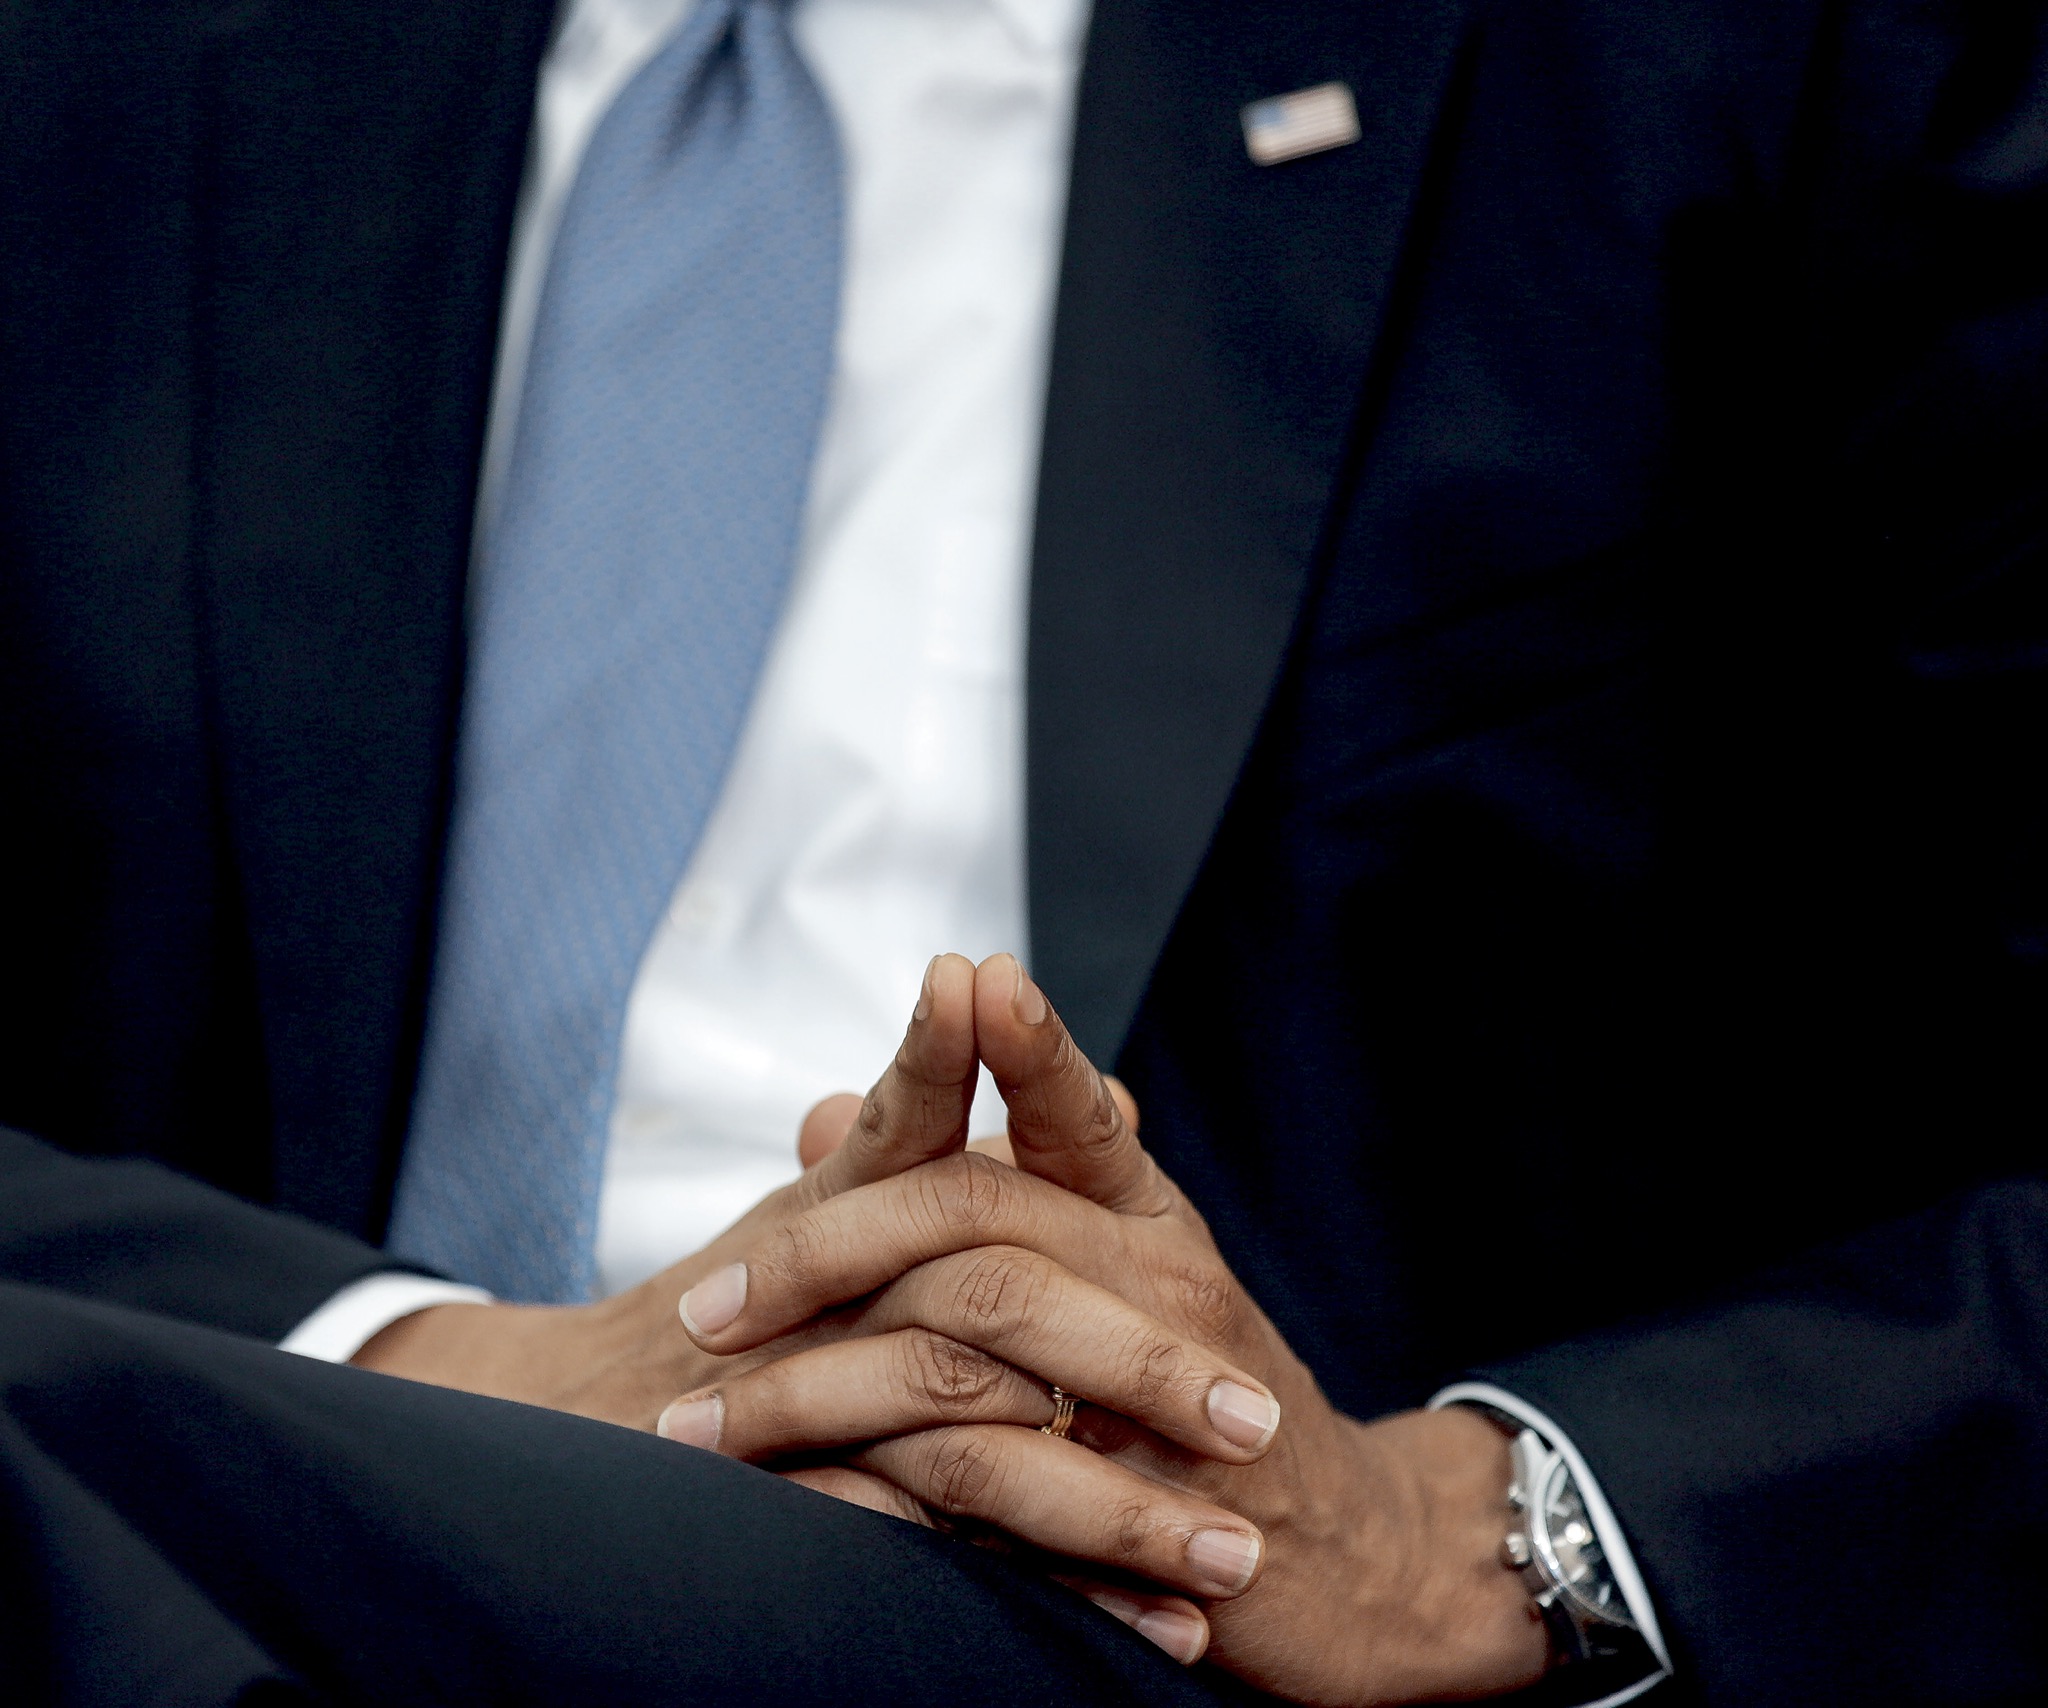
(873, 814)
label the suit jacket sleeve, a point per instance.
(1835, 1488)
(136, 1233)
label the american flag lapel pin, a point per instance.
(1309, 121)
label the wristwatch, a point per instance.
(1555, 1548)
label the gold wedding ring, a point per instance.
(1064, 1405)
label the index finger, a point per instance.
(918, 1109)
(1066, 1126)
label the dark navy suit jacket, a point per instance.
(1536, 713)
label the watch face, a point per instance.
(1581, 1563)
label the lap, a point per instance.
(189, 1514)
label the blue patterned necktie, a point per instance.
(664, 442)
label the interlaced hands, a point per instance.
(887, 1330)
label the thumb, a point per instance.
(1066, 1122)
(917, 1110)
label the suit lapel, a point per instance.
(362, 173)
(1215, 323)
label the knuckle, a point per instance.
(970, 1195)
(796, 1258)
(995, 1289)
(955, 1381)
(1153, 1369)
(1101, 1127)
(1202, 1301)
(871, 1125)
(965, 1473)
(759, 1408)
(1104, 1127)
(1127, 1531)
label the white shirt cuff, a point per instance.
(1613, 1540)
(343, 1326)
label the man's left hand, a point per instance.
(1382, 1579)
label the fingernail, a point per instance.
(1027, 1002)
(1227, 1558)
(923, 1010)
(695, 1423)
(1181, 1635)
(1243, 1416)
(711, 1305)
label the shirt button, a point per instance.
(698, 910)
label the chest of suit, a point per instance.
(1398, 469)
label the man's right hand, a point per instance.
(624, 1358)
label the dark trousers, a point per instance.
(191, 1517)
